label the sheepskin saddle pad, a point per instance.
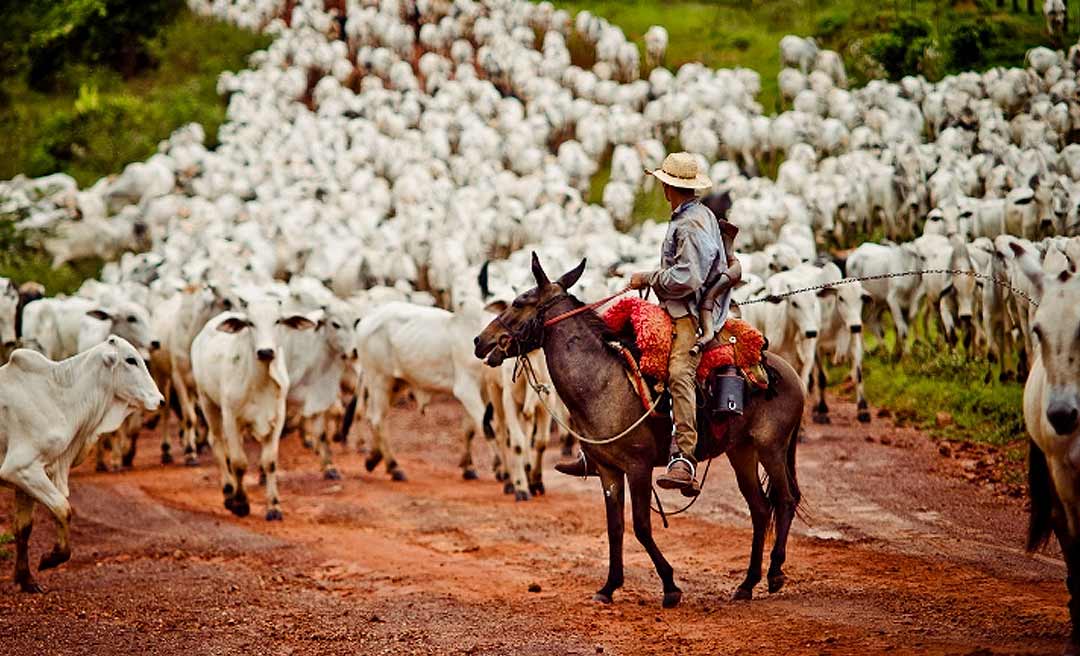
(649, 329)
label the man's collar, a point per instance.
(679, 210)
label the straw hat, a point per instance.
(681, 170)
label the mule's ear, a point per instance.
(233, 325)
(1029, 266)
(572, 276)
(538, 272)
(496, 307)
(100, 315)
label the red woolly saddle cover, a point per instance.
(739, 343)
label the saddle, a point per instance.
(733, 359)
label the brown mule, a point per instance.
(591, 381)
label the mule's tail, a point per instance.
(1041, 491)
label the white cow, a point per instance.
(430, 350)
(51, 414)
(897, 295)
(66, 326)
(841, 338)
(240, 372)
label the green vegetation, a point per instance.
(88, 86)
(5, 538)
(92, 120)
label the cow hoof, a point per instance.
(602, 597)
(30, 586)
(101, 467)
(864, 416)
(191, 460)
(742, 594)
(501, 476)
(166, 458)
(239, 507)
(820, 418)
(398, 475)
(672, 599)
(262, 478)
(372, 461)
(53, 559)
(537, 489)
(308, 444)
(274, 515)
(508, 488)
(521, 495)
(776, 582)
(331, 475)
(470, 474)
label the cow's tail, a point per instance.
(1041, 491)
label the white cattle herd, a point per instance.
(387, 165)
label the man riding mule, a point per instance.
(691, 283)
(623, 445)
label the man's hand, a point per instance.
(640, 280)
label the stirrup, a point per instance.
(693, 468)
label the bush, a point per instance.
(967, 42)
(901, 51)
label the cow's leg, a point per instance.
(269, 463)
(613, 484)
(104, 444)
(821, 410)
(467, 391)
(217, 443)
(128, 436)
(36, 483)
(235, 465)
(900, 322)
(857, 377)
(379, 395)
(188, 419)
(163, 421)
(326, 459)
(541, 435)
(517, 445)
(495, 434)
(744, 462)
(22, 525)
(640, 498)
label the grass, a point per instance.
(95, 122)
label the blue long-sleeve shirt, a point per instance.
(692, 247)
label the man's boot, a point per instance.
(576, 467)
(680, 476)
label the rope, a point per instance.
(585, 308)
(884, 276)
(541, 390)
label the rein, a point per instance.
(585, 308)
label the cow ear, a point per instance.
(827, 292)
(297, 322)
(100, 315)
(496, 307)
(572, 276)
(1029, 266)
(233, 325)
(866, 298)
(538, 272)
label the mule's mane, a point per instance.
(593, 320)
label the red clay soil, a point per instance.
(900, 553)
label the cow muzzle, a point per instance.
(265, 355)
(856, 329)
(811, 334)
(1063, 417)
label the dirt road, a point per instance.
(900, 554)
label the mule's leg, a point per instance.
(744, 462)
(22, 524)
(784, 498)
(640, 498)
(613, 483)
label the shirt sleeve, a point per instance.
(685, 276)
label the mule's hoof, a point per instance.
(672, 599)
(537, 489)
(602, 597)
(101, 467)
(30, 586)
(470, 474)
(776, 582)
(372, 461)
(274, 515)
(191, 460)
(53, 559)
(742, 594)
(331, 475)
(521, 495)
(820, 418)
(398, 475)
(166, 458)
(508, 488)
(864, 416)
